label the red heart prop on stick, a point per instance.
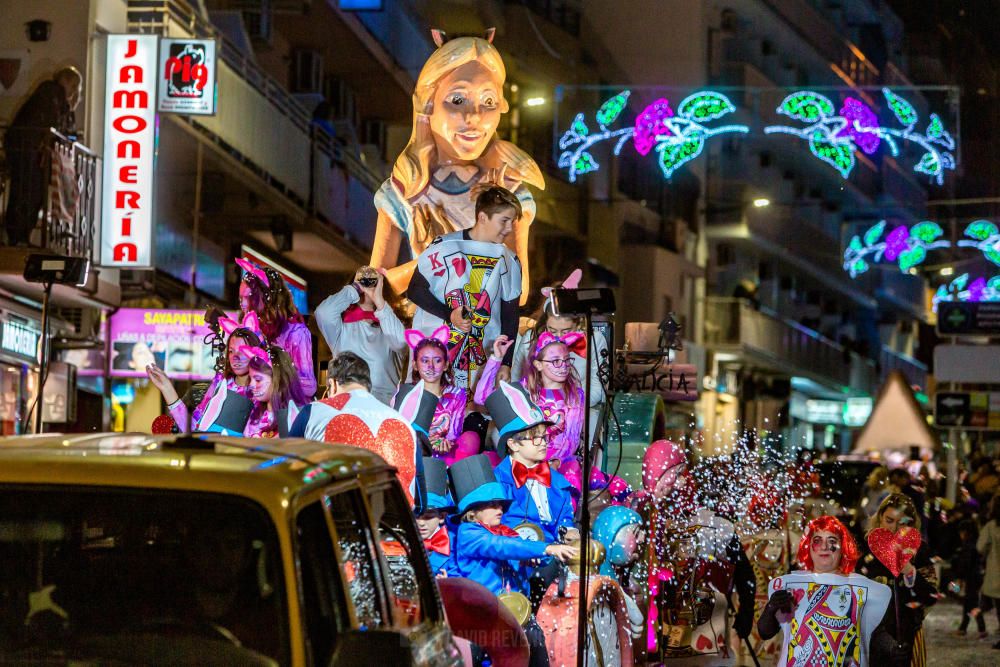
(894, 550)
(394, 443)
(703, 643)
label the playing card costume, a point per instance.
(482, 277)
(375, 336)
(834, 618)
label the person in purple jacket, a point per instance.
(263, 291)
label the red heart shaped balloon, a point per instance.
(894, 550)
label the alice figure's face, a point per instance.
(466, 112)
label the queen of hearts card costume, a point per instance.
(834, 618)
(476, 275)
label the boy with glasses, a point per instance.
(541, 505)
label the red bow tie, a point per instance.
(501, 530)
(356, 313)
(439, 542)
(523, 473)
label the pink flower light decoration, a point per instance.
(857, 112)
(650, 123)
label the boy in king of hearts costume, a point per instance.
(471, 281)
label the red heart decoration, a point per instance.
(894, 550)
(337, 402)
(704, 644)
(459, 264)
(439, 273)
(798, 594)
(394, 443)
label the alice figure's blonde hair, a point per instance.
(412, 171)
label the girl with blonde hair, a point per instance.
(452, 152)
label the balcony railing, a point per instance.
(786, 345)
(60, 177)
(260, 122)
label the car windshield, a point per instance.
(122, 576)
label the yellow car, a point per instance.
(135, 549)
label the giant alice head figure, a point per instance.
(457, 103)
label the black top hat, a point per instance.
(416, 404)
(436, 482)
(513, 411)
(473, 483)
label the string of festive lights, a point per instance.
(677, 138)
(834, 138)
(908, 246)
(960, 289)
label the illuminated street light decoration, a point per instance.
(677, 138)
(985, 238)
(960, 289)
(908, 246)
(833, 138)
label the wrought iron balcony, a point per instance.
(55, 188)
(764, 337)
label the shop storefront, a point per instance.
(19, 338)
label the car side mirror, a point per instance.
(374, 647)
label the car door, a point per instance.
(415, 607)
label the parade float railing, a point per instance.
(68, 175)
(258, 120)
(735, 324)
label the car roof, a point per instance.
(269, 470)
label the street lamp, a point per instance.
(761, 202)
(534, 101)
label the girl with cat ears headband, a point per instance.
(575, 341)
(438, 338)
(250, 322)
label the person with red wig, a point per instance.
(830, 615)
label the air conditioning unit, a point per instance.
(257, 17)
(307, 71)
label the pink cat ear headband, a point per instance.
(250, 321)
(574, 340)
(415, 338)
(254, 352)
(253, 270)
(572, 281)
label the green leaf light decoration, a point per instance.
(678, 139)
(705, 106)
(834, 152)
(903, 110)
(926, 231)
(832, 137)
(875, 233)
(807, 106)
(672, 156)
(610, 110)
